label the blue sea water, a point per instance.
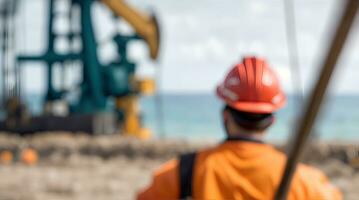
(198, 116)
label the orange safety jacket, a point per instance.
(236, 170)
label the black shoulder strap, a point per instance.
(186, 165)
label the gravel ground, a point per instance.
(114, 167)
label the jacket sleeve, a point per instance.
(165, 183)
(316, 185)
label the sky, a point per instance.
(203, 39)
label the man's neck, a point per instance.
(252, 135)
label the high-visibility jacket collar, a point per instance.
(244, 138)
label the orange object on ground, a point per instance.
(6, 157)
(240, 170)
(29, 156)
(251, 86)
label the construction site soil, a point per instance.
(115, 167)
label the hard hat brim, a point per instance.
(254, 107)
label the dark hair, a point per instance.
(251, 121)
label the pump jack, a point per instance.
(101, 84)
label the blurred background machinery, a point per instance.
(108, 93)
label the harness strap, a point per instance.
(186, 165)
(245, 139)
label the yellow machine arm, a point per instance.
(144, 25)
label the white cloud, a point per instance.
(258, 7)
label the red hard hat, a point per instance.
(251, 86)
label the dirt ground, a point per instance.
(113, 167)
(77, 178)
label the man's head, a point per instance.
(251, 93)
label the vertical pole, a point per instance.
(14, 6)
(50, 51)
(2, 56)
(293, 48)
(159, 103)
(309, 116)
(5, 42)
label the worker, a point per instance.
(243, 166)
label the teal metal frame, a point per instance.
(99, 81)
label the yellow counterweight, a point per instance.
(132, 125)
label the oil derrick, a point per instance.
(108, 93)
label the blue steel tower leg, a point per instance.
(50, 94)
(92, 97)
